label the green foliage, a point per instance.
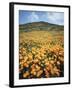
(40, 26)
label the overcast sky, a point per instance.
(36, 16)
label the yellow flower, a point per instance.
(52, 61)
(37, 68)
(20, 57)
(30, 56)
(39, 73)
(42, 55)
(35, 60)
(33, 49)
(21, 68)
(46, 73)
(25, 58)
(33, 72)
(25, 65)
(26, 74)
(47, 63)
(21, 62)
(37, 56)
(23, 49)
(58, 63)
(61, 59)
(33, 52)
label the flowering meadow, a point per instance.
(41, 54)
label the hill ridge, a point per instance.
(40, 26)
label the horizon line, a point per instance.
(41, 22)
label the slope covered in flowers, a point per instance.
(41, 54)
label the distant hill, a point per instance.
(40, 26)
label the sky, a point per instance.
(36, 16)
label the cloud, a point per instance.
(33, 17)
(56, 17)
(50, 17)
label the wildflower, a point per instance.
(26, 74)
(39, 73)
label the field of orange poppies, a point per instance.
(41, 54)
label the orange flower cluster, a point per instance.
(41, 62)
(41, 55)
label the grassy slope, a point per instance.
(40, 26)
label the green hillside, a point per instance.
(40, 26)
